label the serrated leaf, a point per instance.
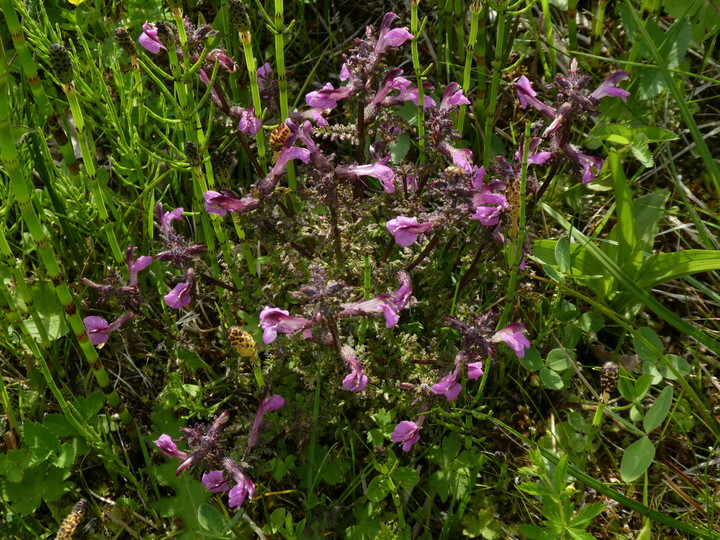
(586, 514)
(406, 477)
(636, 459)
(42, 442)
(658, 410)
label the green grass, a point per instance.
(622, 269)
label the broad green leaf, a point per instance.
(558, 360)
(210, 519)
(551, 379)
(40, 440)
(13, 464)
(642, 385)
(406, 477)
(532, 360)
(627, 251)
(658, 410)
(641, 151)
(648, 345)
(678, 362)
(377, 489)
(591, 322)
(649, 210)
(636, 459)
(50, 311)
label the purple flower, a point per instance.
(534, 157)
(149, 39)
(356, 381)
(99, 330)
(166, 218)
(248, 122)
(489, 204)
(263, 72)
(406, 433)
(387, 304)
(346, 74)
(243, 488)
(406, 230)
(608, 88)
(168, 447)
(327, 97)
(449, 386)
(275, 320)
(512, 334)
(135, 266)
(269, 404)
(221, 56)
(462, 157)
(219, 204)
(475, 370)
(590, 165)
(377, 170)
(390, 38)
(453, 96)
(214, 481)
(180, 296)
(526, 94)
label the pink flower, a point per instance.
(475, 370)
(356, 381)
(248, 123)
(608, 88)
(526, 94)
(453, 96)
(166, 218)
(377, 170)
(149, 39)
(219, 204)
(269, 404)
(388, 304)
(243, 488)
(390, 38)
(275, 320)
(99, 330)
(168, 447)
(449, 386)
(512, 334)
(406, 433)
(406, 230)
(214, 481)
(180, 296)
(327, 97)
(135, 266)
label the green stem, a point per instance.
(475, 11)
(246, 40)
(416, 31)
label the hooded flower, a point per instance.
(608, 89)
(135, 266)
(377, 170)
(356, 381)
(220, 204)
(512, 334)
(276, 321)
(248, 122)
(99, 330)
(407, 433)
(449, 386)
(214, 481)
(388, 304)
(475, 370)
(526, 94)
(327, 97)
(390, 38)
(149, 38)
(168, 447)
(452, 97)
(269, 404)
(406, 230)
(180, 296)
(166, 218)
(243, 488)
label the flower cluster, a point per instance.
(206, 448)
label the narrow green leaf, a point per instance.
(636, 459)
(663, 267)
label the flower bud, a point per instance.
(61, 63)
(609, 377)
(166, 33)
(238, 15)
(241, 341)
(192, 154)
(125, 41)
